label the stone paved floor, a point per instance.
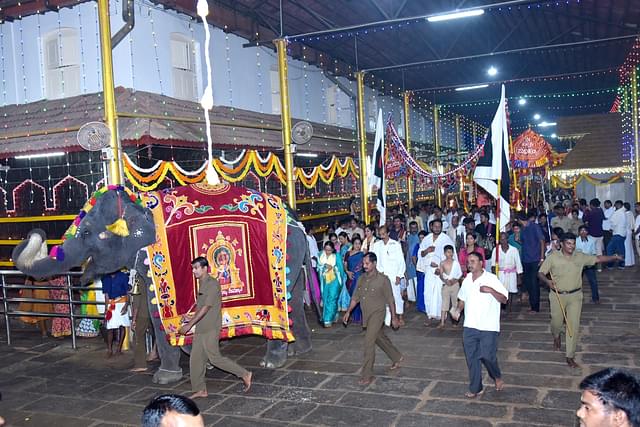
(46, 383)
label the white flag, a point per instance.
(376, 178)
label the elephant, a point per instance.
(94, 242)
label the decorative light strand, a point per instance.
(155, 49)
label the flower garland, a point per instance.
(234, 171)
(448, 176)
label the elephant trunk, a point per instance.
(30, 257)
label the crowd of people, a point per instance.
(448, 262)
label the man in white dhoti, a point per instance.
(510, 269)
(431, 255)
(391, 264)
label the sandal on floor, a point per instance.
(470, 395)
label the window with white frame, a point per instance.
(183, 67)
(61, 50)
(332, 94)
(274, 78)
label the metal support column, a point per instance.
(407, 139)
(436, 143)
(362, 138)
(458, 160)
(114, 175)
(281, 46)
(636, 142)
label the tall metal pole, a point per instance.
(407, 139)
(458, 151)
(362, 138)
(636, 142)
(436, 143)
(281, 46)
(115, 175)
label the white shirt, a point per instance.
(424, 262)
(481, 310)
(313, 249)
(619, 222)
(630, 221)
(455, 273)
(588, 247)
(390, 259)
(445, 224)
(606, 224)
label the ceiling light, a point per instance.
(553, 135)
(455, 15)
(492, 71)
(522, 101)
(547, 124)
(536, 116)
(458, 89)
(310, 155)
(39, 156)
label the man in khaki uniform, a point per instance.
(565, 267)
(206, 338)
(374, 293)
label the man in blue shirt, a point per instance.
(533, 248)
(115, 287)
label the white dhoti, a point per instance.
(629, 257)
(432, 294)
(118, 319)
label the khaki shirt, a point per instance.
(565, 223)
(209, 294)
(374, 293)
(566, 271)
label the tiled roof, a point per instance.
(598, 141)
(52, 125)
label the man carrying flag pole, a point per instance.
(492, 169)
(376, 178)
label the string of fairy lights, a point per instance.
(386, 95)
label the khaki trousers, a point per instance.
(573, 307)
(206, 347)
(374, 335)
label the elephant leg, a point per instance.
(300, 327)
(170, 370)
(276, 355)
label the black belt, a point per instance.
(569, 292)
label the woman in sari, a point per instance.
(353, 262)
(345, 245)
(369, 238)
(36, 307)
(331, 272)
(471, 246)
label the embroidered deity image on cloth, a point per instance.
(242, 234)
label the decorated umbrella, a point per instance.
(531, 156)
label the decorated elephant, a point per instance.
(256, 250)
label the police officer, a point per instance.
(565, 268)
(206, 337)
(374, 293)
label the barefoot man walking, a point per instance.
(480, 297)
(206, 338)
(373, 292)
